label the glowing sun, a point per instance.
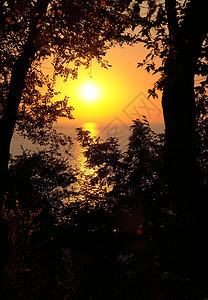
(89, 91)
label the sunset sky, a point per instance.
(113, 90)
(120, 97)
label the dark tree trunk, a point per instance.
(16, 87)
(179, 111)
(8, 120)
(182, 173)
(7, 124)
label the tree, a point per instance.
(117, 223)
(70, 34)
(35, 267)
(137, 197)
(175, 34)
(87, 247)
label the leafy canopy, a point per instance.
(65, 34)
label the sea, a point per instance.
(104, 131)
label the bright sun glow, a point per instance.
(89, 91)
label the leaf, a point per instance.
(38, 25)
(140, 65)
(152, 93)
(8, 20)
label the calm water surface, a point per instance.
(113, 129)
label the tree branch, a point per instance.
(172, 20)
(21, 67)
(194, 28)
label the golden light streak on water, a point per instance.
(92, 128)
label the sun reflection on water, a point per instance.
(81, 161)
(91, 127)
(83, 186)
(87, 188)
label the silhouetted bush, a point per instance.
(105, 232)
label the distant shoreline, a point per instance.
(103, 130)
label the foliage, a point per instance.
(40, 179)
(139, 202)
(38, 187)
(64, 35)
(160, 24)
(128, 174)
(123, 203)
(103, 242)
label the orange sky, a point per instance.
(122, 90)
(122, 97)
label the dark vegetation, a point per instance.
(135, 227)
(104, 234)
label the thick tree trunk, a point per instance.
(7, 124)
(188, 251)
(182, 173)
(8, 120)
(16, 87)
(178, 102)
(179, 116)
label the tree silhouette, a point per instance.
(175, 34)
(71, 34)
(66, 32)
(139, 200)
(34, 267)
(107, 240)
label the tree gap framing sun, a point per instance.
(89, 91)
